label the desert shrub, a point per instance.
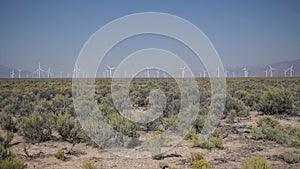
(277, 101)
(192, 133)
(257, 163)
(60, 155)
(291, 158)
(36, 128)
(296, 139)
(231, 116)
(196, 156)
(215, 141)
(68, 127)
(12, 163)
(201, 164)
(89, 164)
(123, 125)
(7, 139)
(237, 105)
(268, 129)
(5, 153)
(6, 122)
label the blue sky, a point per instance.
(53, 32)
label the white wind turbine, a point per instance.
(204, 73)
(39, 71)
(76, 71)
(12, 74)
(233, 74)
(218, 72)
(110, 70)
(20, 70)
(266, 71)
(291, 70)
(148, 71)
(246, 73)
(271, 70)
(285, 71)
(182, 71)
(49, 74)
(157, 73)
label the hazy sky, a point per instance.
(53, 32)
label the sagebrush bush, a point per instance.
(201, 164)
(296, 138)
(5, 140)
(257, 163)
(291, 158)
(196, 156)
(12, 163)
(215, 141)
(268, 129)
(89, 164)
(6, 122)
(68, 127)
(60, 155)
(277, 101)
(237, 105)
(36, 128)
(5, 153)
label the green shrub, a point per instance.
(268, 129)
(5, 153)
(215, 141)
(196, 156)
(7, 123)
(89, 164)
(291, 158)
(36, 128)
(296, 139)
(257, 163)
(68, 127)
(237, 105)
(7, 139)
(201, 164)
(12, 163)
(231, 116)
(60, 155)
(278, 101)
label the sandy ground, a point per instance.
(238, 148)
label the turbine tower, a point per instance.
(12, 74)
(49, 74)
(291, 70)
(76, 71)
(183, 70)
(285, 71)
(218, 72)
(157, 73)
(246, 73)
(271, 70)
(148, 71)
(266, 71)
(39, 71)
(110, 70)
(20, 70)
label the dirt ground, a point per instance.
(238, 147)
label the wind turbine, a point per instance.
(233, 74)
(39, 71)
(76, 71)
(20, 70)
(266, 71)
(12, 74)
(61, 74)
(182, 69)
(246, 73)
(49, 74)
(271, 70)
(218, 72)
(204, 73)
(291, 70)
(226, 72)
(157, 73)
(110, 70)
(285, 71)
(148, 71)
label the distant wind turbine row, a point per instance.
(108, 72)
